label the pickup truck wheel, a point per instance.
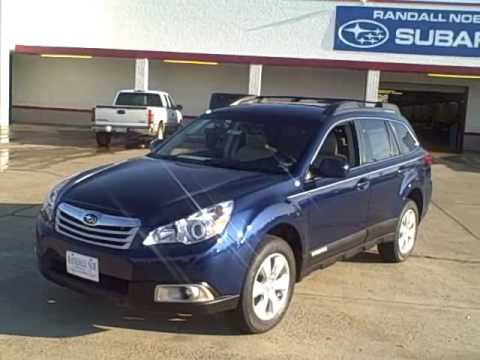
(405, 237)
(268, 287)
(103, 139)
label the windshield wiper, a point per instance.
(238, 165)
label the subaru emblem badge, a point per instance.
(90, 219)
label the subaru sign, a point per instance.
(408, 31)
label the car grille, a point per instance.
(94, 227)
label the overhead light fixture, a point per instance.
(390, 92)
(452, 76)
(192, 62)
(66, 56)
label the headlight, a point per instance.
(202, 225)
(51, 199)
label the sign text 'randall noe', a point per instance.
(408, 31)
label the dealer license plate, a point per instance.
(83, 266)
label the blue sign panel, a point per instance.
(408, 31)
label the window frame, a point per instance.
(360, 169)
(165, 101)
(393, 140)
(356, 146)
(173, 105)
(144, 93)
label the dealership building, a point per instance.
(60, 58)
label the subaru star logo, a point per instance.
(90, 219)
(363, 34)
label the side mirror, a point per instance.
(334, 167)
(154, 144)
(179, 107)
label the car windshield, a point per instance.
(262, 145)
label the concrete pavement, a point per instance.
(426, 308)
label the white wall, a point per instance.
(69, 83)
(192, 85)
(472, 123)
(278, 28)
(282, 80)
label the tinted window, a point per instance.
(138, 99)
(375, 140)
(406, 141)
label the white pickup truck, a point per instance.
(151, 113)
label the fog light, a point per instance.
(182, 293)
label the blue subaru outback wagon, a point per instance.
(235, 208)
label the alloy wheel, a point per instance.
(271, 286)
(408, 230)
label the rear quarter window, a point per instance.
(405, 139)
(376, 142)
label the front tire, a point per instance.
(268, 287)
(103, 139)
(405, 237)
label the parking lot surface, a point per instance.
(426, 308)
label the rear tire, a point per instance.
(405, 236)
(103, 139)
(268, 287)
(161, 131)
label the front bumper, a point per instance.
(123, 280)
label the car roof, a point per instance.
(275, 111)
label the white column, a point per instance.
(372, 85)
(255, 79)
(4, 79)
(141, 74)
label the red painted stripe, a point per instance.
(49, 108)
(242, 59)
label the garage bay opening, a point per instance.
(438, 117)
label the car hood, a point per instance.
(160, 191)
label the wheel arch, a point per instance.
(292, 237)
(416, 196)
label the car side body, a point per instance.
(322, 219)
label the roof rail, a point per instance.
(288, 99)
(335, 105)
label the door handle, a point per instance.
(363, 184)
(121, 112)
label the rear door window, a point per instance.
(376, 141)
(405, 139)
(139, 99)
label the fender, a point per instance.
(249, 229)
(411, 182)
